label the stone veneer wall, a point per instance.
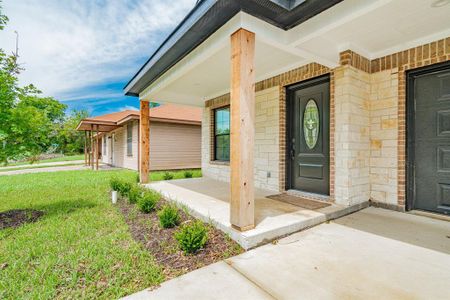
(383, 136)
(388, 114)
(351, 138)
(266, 157)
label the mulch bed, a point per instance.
(145, 229)
(17, 217)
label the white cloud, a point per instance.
(66, 46)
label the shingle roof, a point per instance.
(163, 113)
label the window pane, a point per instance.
(222, 134)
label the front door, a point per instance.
(308, 136)
(429, 140)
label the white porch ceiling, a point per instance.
(371, 28)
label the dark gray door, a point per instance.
(308, 136)
(431, 141)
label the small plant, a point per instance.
(147, 202)
(125, 188)
(188, 174)
(169, 216)
(135, 194)
(168, 176)
(192, 236)
(115, 184)
(138, 178)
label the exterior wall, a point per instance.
(352, 141)
(266, 155)
(120, 157)
(383, 136)
(172, 146)
(388, 115)
(367, 125)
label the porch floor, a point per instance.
(208, 199)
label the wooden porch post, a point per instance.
(144, 141)
(96, 148)
(242, 106)
(89, 147)
(85, 148)
(92, 148)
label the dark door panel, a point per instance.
(429, 140)
(308, 136)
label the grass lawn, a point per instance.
(80, 248)
(56, 159)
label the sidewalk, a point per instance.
(57, 163)
(330, 261)
(54, 169)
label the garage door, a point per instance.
(429, 140)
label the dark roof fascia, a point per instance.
(206, 18)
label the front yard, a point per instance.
(80, 247)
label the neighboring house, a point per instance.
(175, 141)
(347, 101)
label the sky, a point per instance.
(83, 52)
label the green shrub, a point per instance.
(169, 216)
(135, 194)
(138, 178)
(147, 202)
(124, 188)
(167, 176)
(115, 184)
(188, 174)
(192, 236)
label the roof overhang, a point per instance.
(210, 15)
(370, 28)
(93, 125)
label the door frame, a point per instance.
(410, 126)
(111, 148)
(290, 92)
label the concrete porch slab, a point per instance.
(208, 200)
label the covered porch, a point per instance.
(209, 200)
(265, 72)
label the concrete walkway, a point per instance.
(47, 164)
(361, 256)
(53, 169)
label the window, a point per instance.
(222, 134)
(104, 144)
(130, 139)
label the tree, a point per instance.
(29, 123)
(71, 141)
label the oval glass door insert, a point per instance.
(311, 123)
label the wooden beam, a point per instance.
(96, 148)
(89, 148)
(242, 107)
(92, 148)
(85, 148)
(144, 141)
